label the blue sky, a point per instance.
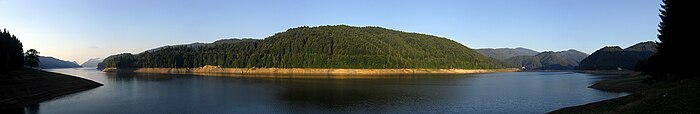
(77, 30)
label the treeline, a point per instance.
(316, 47)
(11, 56)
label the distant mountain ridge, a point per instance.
(91, 62)
(573, 55)
(533, 60)
(505, 53)
(549, 60)
(51, 62)
(614, 57)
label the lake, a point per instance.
(516, 92)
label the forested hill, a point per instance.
(613, 57)
(337, 46)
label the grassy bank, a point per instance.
(662, 98)
(29, 86)
(305, 71)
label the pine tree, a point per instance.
(672, 61)
(11, 55)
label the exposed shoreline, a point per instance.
(30, 86)
(662, 97)
(606, 72)
(305, 71)
(624, 83)
(621, 81)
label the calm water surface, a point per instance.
(519, 92)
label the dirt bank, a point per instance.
(26, 87)
(305, 71)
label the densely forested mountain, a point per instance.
(549, 60)
(91, 62)
(505, 53)
(613, 57)
(11, 52)
(51, 62)
(338, 46)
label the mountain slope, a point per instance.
(91, 62)
(505, 53)
(648, 46)
(317, 47)
(51, 62)
(573, 55)
(547, 60)
(613, 57)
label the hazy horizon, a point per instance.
(77, 30)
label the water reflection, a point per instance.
(522, 92)
(140, 76)
(342, 94)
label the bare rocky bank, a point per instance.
(304, 71)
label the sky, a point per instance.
(77, 30)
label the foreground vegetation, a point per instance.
(315, 47)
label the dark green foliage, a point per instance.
(31, 58)
(11, 52)
(124, 60)
(676, 32)
(316, 47)
(613, 57)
